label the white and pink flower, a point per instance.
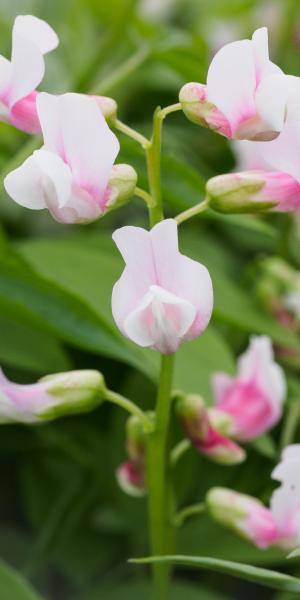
(253, 399)
(162, 298)
(70, 175)
(32, 38)
(246, 95)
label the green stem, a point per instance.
(164, 112)
(132, 408)
(135, 135)
(178, 451)
(187, 512)
(145, 196)
(153, 157)
(193, 211)
(158, 478)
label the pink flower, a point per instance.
(248, 156)
(162, 298)
(31, 39)
(205, 438)
(254, 398)
(51, 397)
(70, 174)
(246, 94)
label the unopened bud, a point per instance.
(121, 186)
(131, 480)
(207, 440)
(196, 107)
(72, 392)
(136, 439)
(221, 421)
(247, 516)
(253, 191)
(131, 474)
(108, 107)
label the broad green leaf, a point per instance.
(26, 348)
(13, 586)
(272, 579)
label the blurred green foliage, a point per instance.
(64, 523)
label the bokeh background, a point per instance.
(65, 525)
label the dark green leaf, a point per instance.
(13, 586)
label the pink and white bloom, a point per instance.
(70, 174)
(162, 298)
(51, 397)
(278, 525)
(197, 425)
(253, 399)
(245, 96)
(32, 38)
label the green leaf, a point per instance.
(294, 554)
(265, 445)
(272, 579)
(13, 586)
(25, 348)
(232, 304)
(29, 298)
(199, 359)
(143, 589)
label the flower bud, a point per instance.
(253, 191)
(108, 107)
(50, 397)
(131, 479)
(247, 516)
(221, 421)
(131, 474)
(73, 392)
(197, 425)
(121, 186)
(196, 107)
(136, 439)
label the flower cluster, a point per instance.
(164, 298)
(245, 406)
(247, 97)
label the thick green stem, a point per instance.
(158, 480)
